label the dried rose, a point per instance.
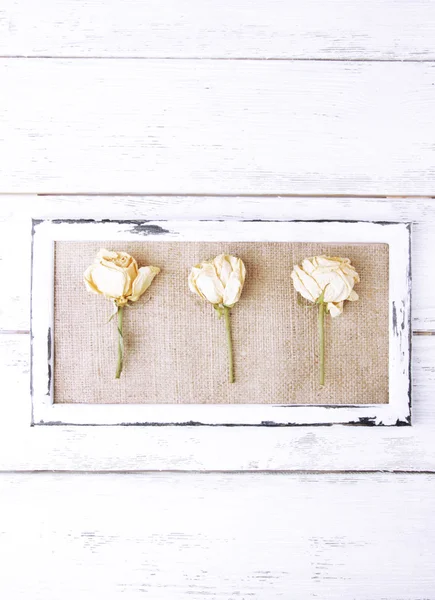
(335, 277)
(220, 281)
(116, 276)
(328, 282)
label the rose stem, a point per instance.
(229, 342)
(321, 323)
(120, 344)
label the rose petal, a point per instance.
(233, 290)
(193, 275)
(209, 285)
(90, 286)
(143, 281)
(123, 259)
(106, 254)
(335, 309)
(242, 271)
(204, 281)
(308, 266)
(305, 284)
(131, 273)
(336, 286)
(110, 282)
(239, 268)
(329, 262)
(223, 266)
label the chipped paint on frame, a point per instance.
(396, 413)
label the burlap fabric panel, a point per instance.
(176, 346)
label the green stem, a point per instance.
(120, 344)
(321, 323)
(229, 342)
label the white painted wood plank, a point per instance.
(16, 213)
(185, 536)
(204, 126)
(374, 29)
(211, 448)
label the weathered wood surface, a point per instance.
(300, 126)
(337, 448)
(207, 126)
(199, 448)
(374, 29)
(16, 213)
(217, 536)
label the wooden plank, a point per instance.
(381, 30)
(246, 127)
(337, 448)
(16, 212)
(218, 536)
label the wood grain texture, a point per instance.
(16, 213)
(204, 126)
(103, 448)
(217, 536)
(380, 30)
(143, 126)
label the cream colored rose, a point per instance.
(116, 275)
(333, 276)
(220, 281)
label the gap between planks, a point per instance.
(247, 472)
(189, 195)
(209, 195)
(216, 58)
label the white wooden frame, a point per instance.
(396, 235)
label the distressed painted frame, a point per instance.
(396, 235)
